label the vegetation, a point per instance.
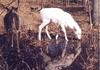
(47, 54)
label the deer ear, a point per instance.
(15, 8)
(3, 6)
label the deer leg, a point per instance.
(17, 36)
(11, 36)
(12, 40)
(47, 32)
(64, 30)
(40, 29)
(44, 23)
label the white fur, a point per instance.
(60, 17)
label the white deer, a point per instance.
(61, 17)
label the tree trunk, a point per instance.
(96, 12)
(96, 21)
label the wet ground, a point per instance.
(32, 54)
